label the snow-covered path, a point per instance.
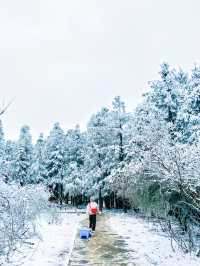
(123, 239)
(104, 248)
(150, 244)
(120, 239)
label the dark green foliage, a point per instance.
(153, 191)
(173, 197)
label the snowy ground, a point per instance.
(56, 242)
(54, 246)
(151, 247)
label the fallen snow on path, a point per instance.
(151, 248)
(54, 246)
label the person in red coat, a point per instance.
(92, 210)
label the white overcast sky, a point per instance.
(62, 60)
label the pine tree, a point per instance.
(105, 146)
(23, 157)
(194, 106)
(188, 121)
(119, 119)
(37, 167)
(74, 170)
(98, 141)
(2, 153)
(10, 160)
(165, 94)
(54, 161)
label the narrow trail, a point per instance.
(104, 248)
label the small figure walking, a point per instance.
(92, 210)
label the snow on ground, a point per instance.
(54, 246)
(56, 242)
(152, 246)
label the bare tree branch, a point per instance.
(5, 108)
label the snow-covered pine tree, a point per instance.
(165, 94)
(2, 153)
(10, 159)
(188, 118)
(74, 170)
(106, 147)
(193, 107)
(98, 156)
(37, 168)
(54, 161)
(118, 119)
(23, 157)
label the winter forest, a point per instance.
(145, 162)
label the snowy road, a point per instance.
(104, 248)
(151, 245)
(120, 239)
(123, 239)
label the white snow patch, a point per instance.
(54, 246)
(151, 248)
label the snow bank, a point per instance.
(54, 246)
(150, 247)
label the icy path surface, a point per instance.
(122, 239)
(104, 248)
(150, 246)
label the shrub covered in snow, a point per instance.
(19, 208)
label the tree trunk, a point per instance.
(121, 151)
(100, 200)
(114, 200)
(61, 194)
(67, 199)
